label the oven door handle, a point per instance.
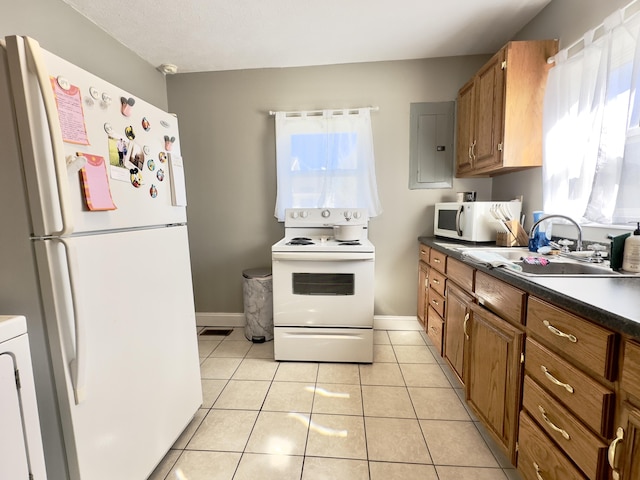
(322, 256)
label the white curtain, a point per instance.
(325, 161)
(591, 155)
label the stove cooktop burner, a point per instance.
(300, 241)
(350, 242)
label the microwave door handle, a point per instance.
(458, 215)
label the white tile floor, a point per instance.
(401, 417)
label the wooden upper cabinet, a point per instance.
(489, 107)
(465, 128)
(499, 112)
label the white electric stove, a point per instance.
(323, 288)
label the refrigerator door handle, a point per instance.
(77, 365)
(55, 134)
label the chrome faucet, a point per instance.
(578, 242)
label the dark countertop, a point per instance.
(611, 302)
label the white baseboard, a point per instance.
(380, 322)
(209, 319)
(395, 322)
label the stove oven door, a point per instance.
(323, 289)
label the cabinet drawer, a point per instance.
(424, 253)
(584, 342)
(438, 260)
(434, 328)
(436, 301)
(460, 273)
(437, 281)
(582, 446)
(501, 298)
(591, 402)
(630, 380)
(539, 458)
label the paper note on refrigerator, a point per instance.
(178, 190)
(95, 184)
(70, 112)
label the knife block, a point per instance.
(515, 237)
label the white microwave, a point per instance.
(471, 221)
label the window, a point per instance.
(591, 156)
(325, 160)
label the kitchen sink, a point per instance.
(557, 266)
(567, 268)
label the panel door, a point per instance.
(489, 112)
(465, 128)
(494, 375)
(455, 333)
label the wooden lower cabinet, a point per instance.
(538, 457)
(582, 446)
(434, 328)
(494, 375)
(455, 336)
(423, 285)
(624, 451)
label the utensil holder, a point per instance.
(515, 237)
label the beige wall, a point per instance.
(227, 139)
(228, 146)
(566, 20)
(61, 30)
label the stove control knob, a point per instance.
(357, 214)
(294, 214)
(326, 213)
(304, 214)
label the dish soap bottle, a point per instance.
(631, 256)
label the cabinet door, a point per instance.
(465, 129)
(489, 84)
(494, 375)
(423, 284)
(626, 462)
(455, 334)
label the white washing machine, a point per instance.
(21, 454)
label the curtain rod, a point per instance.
(319, 112)
(631, 9)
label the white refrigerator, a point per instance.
(94, 252)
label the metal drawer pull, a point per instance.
(436, 260)
(464, 325)
(560, 333)
(435, 302)
(611, 454)
(537, 467)
(552, 425)
(436, 281)
(553, 379)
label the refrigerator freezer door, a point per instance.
(65, 115)
(124, 342)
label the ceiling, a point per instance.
(214, 35)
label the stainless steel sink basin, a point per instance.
(569, 268)
(557, 267)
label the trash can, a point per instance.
(257, 290)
